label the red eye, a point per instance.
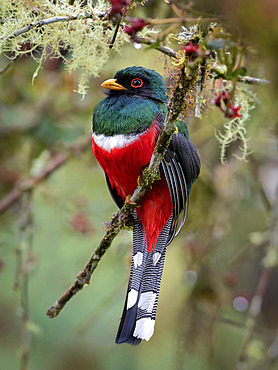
(136, 82)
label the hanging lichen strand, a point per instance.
(39, 27)
(235, 128)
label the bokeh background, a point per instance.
(226, 253)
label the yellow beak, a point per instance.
(112, 84)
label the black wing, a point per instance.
(115, 196)
(181, 167)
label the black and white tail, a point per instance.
(139, 312)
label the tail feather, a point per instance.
(139, 312)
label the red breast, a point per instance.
(123, 165)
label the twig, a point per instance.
(252, 80)
(164, 49)
(84, 276)
(150, 174)
(24, 222)
(273, 349)
(266, 334)
(180, 20)
(115, 33)
(22, 276)
(51, 167)
(183, 8)
(7, 66)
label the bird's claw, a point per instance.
(128, 201)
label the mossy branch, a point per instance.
(149, 176)
(42, 23)
(172, 53)
(51, 20)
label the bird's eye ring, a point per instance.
(136, 82)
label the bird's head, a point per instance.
(138, 82)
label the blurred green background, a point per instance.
(230, 236)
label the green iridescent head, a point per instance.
(137, 81)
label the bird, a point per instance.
(126, 125)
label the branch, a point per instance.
(180, 20)
(163, 49)
(24, 257)
(51, 167)
(172, 53)
(38, 24)
(252, 80)
(46, 21)
(150, 174)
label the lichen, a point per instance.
(235, 129)
(85, 35)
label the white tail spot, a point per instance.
(131, 298)
(146, 301)
(138, 259)
(156, 258)
(144, 328)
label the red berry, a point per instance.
(128, 29)
(136, 25)
(191, 50)
(119, 6)
(221, 101)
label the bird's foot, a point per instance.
(128, 201)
